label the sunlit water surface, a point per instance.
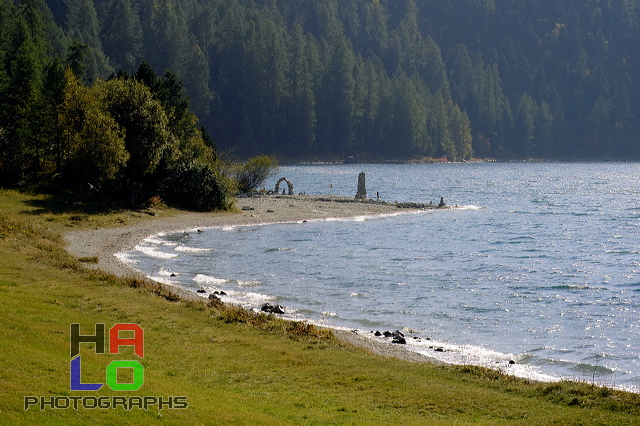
(539, 264)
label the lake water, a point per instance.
(540, 264)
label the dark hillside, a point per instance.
(377, 79)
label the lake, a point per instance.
(536, 273)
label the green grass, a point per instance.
(234, 367)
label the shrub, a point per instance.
(197, 186)
(255, 171)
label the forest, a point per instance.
(379, 80)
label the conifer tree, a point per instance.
(122, 36)
(82, 25)
(19, 150)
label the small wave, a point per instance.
(272, 250)
(364, 218)
(621, 252)
(523, 238)
(157, 241)
(248, 300)
(166, 273)
(349, 219)
(126, 258)
(595, 369)
(474, 355)
(205, 279)
(248, 283)
(186, 249)
(571, 287)
(162, 278)
(581, 369)
(256, 298)
(152, 252)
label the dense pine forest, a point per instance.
(327, 79)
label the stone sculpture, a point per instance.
(362, 187)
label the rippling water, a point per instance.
(539, 265)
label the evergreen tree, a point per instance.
(526, 121)
(53, 98)
(460, 133)
(82, 25)
(376, 34)
(441, 129)
(167, 38)
(301, 111)
(122, 35)
(197, 78)
(19, 153)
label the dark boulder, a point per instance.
(272, 309)
(398, 338)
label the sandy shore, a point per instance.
(104, 243)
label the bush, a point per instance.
(255, 171)
(197, 186)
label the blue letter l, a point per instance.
(76, 385)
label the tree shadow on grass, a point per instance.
(63, 203)
(52, 205)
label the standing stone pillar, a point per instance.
(362, 187)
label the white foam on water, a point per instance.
(162, 279)
(156, 240)
(478, 356)
(164, 272)
(156, 254)
(248, 283)
(206, 279)
(469, 207)
(187, 249)
(126, 258)
(364, 218)
(248, 300)
(256, 298)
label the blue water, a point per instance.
(540, 264)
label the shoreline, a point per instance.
(105, 243)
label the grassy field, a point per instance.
(234, 368)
